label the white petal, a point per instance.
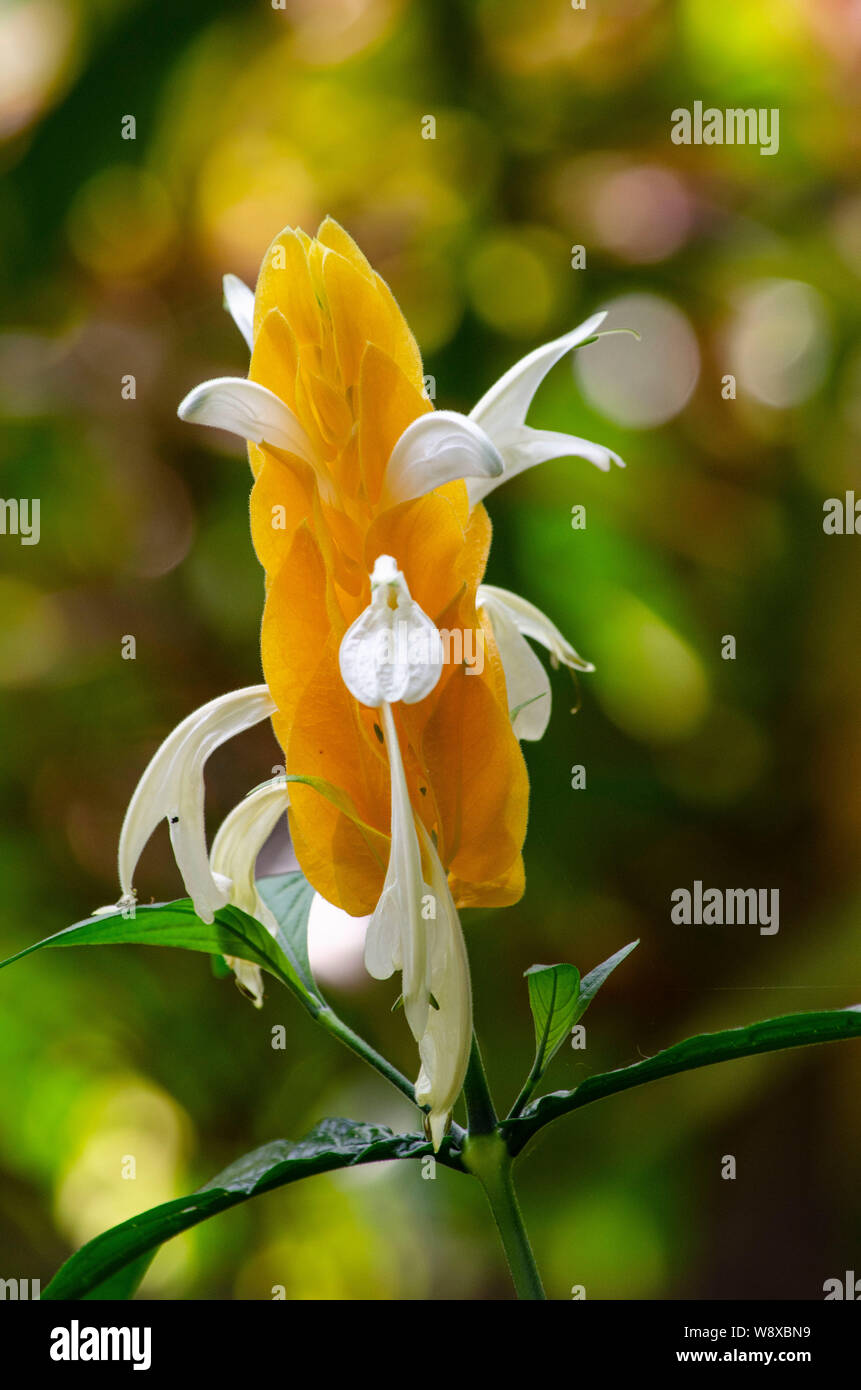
(532, 623)
(172, 786)
(438, 448)
(523, 447)
(526, 680)
(397, 936)
(445, 1044)
(240, 838)
(390, 653)
(502, 411)
(248, 409)
(507, 402)
(249, 978)
(239, 303)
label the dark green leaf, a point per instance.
(332, 1144)
(792, 1030)
(124, 1284)
(232, 933)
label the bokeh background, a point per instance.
(552, 131)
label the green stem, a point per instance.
(529, 1085)
(486, 1156)
(488, 1159)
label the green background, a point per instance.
(552, 130)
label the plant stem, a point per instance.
(486, 1156)
(515, 1242)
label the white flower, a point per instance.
(172, 787)
(513, 619)
(501, 413)
(415, 927)
(485, 448)
(240, 838)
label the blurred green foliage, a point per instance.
(552, 131)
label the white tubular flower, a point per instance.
(445, 1044)
(394, 652)
(501, 413)
(172, 787)
(239, 303)
(240, 838)
(513, 619)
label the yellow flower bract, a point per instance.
(331, 342)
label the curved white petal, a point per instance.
(445, 1044)
(248, 409)
(397, 936)
(240, 838)
(507, 402)
(523, 447)
(438, 448)
(532, 623)
(502, 411)
(526, 680)
(239, 303)
(513, 619)
(172, 786)
(390, 652)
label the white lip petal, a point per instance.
(248, 409)
(390, 653)
(172, 786)
(438, 448)
(239, 303)
(526, 680)
(531, 622)
(509, 399)
(523, 447)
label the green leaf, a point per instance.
(771, 1035)
(232, 933)
(553, 994)
(591, 983)
(331, 1144)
